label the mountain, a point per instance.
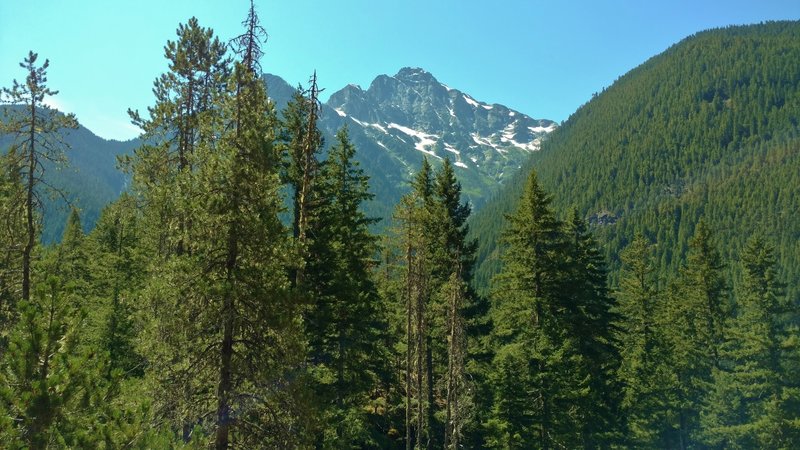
(401, 118)
(707, 129)
(91, 181)
(393, 124)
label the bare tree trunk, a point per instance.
(409, 338)
(31, 230)
(454, 362)
(420, 344)
(309, 168)
(430, 381)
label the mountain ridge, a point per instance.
(692, 133)
(393, 124)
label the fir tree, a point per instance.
(593, 322)
(693, 330)
(120, 271)
(414, 217)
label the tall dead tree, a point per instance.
(312, 142)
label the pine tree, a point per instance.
(12, 230)
(178, 123)
(37, 140)
(224, 340)
(49, 387)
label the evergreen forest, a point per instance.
(636, 285)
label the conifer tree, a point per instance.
(306, 168)
(414, 216)
(225, 343)
(693, 330)
(455, 255)
(49, 387)
(345, 320)
(592, 321)
(178, 123)
(71, 259)
(648, 402)
(12, 230)
(535, 347)
(120, 271)
(37, 141)
(753, 404)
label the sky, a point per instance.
(543, 58)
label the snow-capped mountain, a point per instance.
(401, 118)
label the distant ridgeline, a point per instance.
(709, 128)
(393, 124)
(90, 182)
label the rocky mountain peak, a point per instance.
(400, 119)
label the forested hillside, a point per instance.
(90, 181)
(707, 129)
(237, 297)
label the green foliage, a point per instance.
(345, 323)
(191, 317)
(553, 323)
(754, 403)
(706, 129)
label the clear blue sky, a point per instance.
(542, 58)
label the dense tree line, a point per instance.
(707, 129)
(201, 311)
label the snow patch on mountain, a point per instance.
(449, 147)
(425, 139)
(549, 129)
